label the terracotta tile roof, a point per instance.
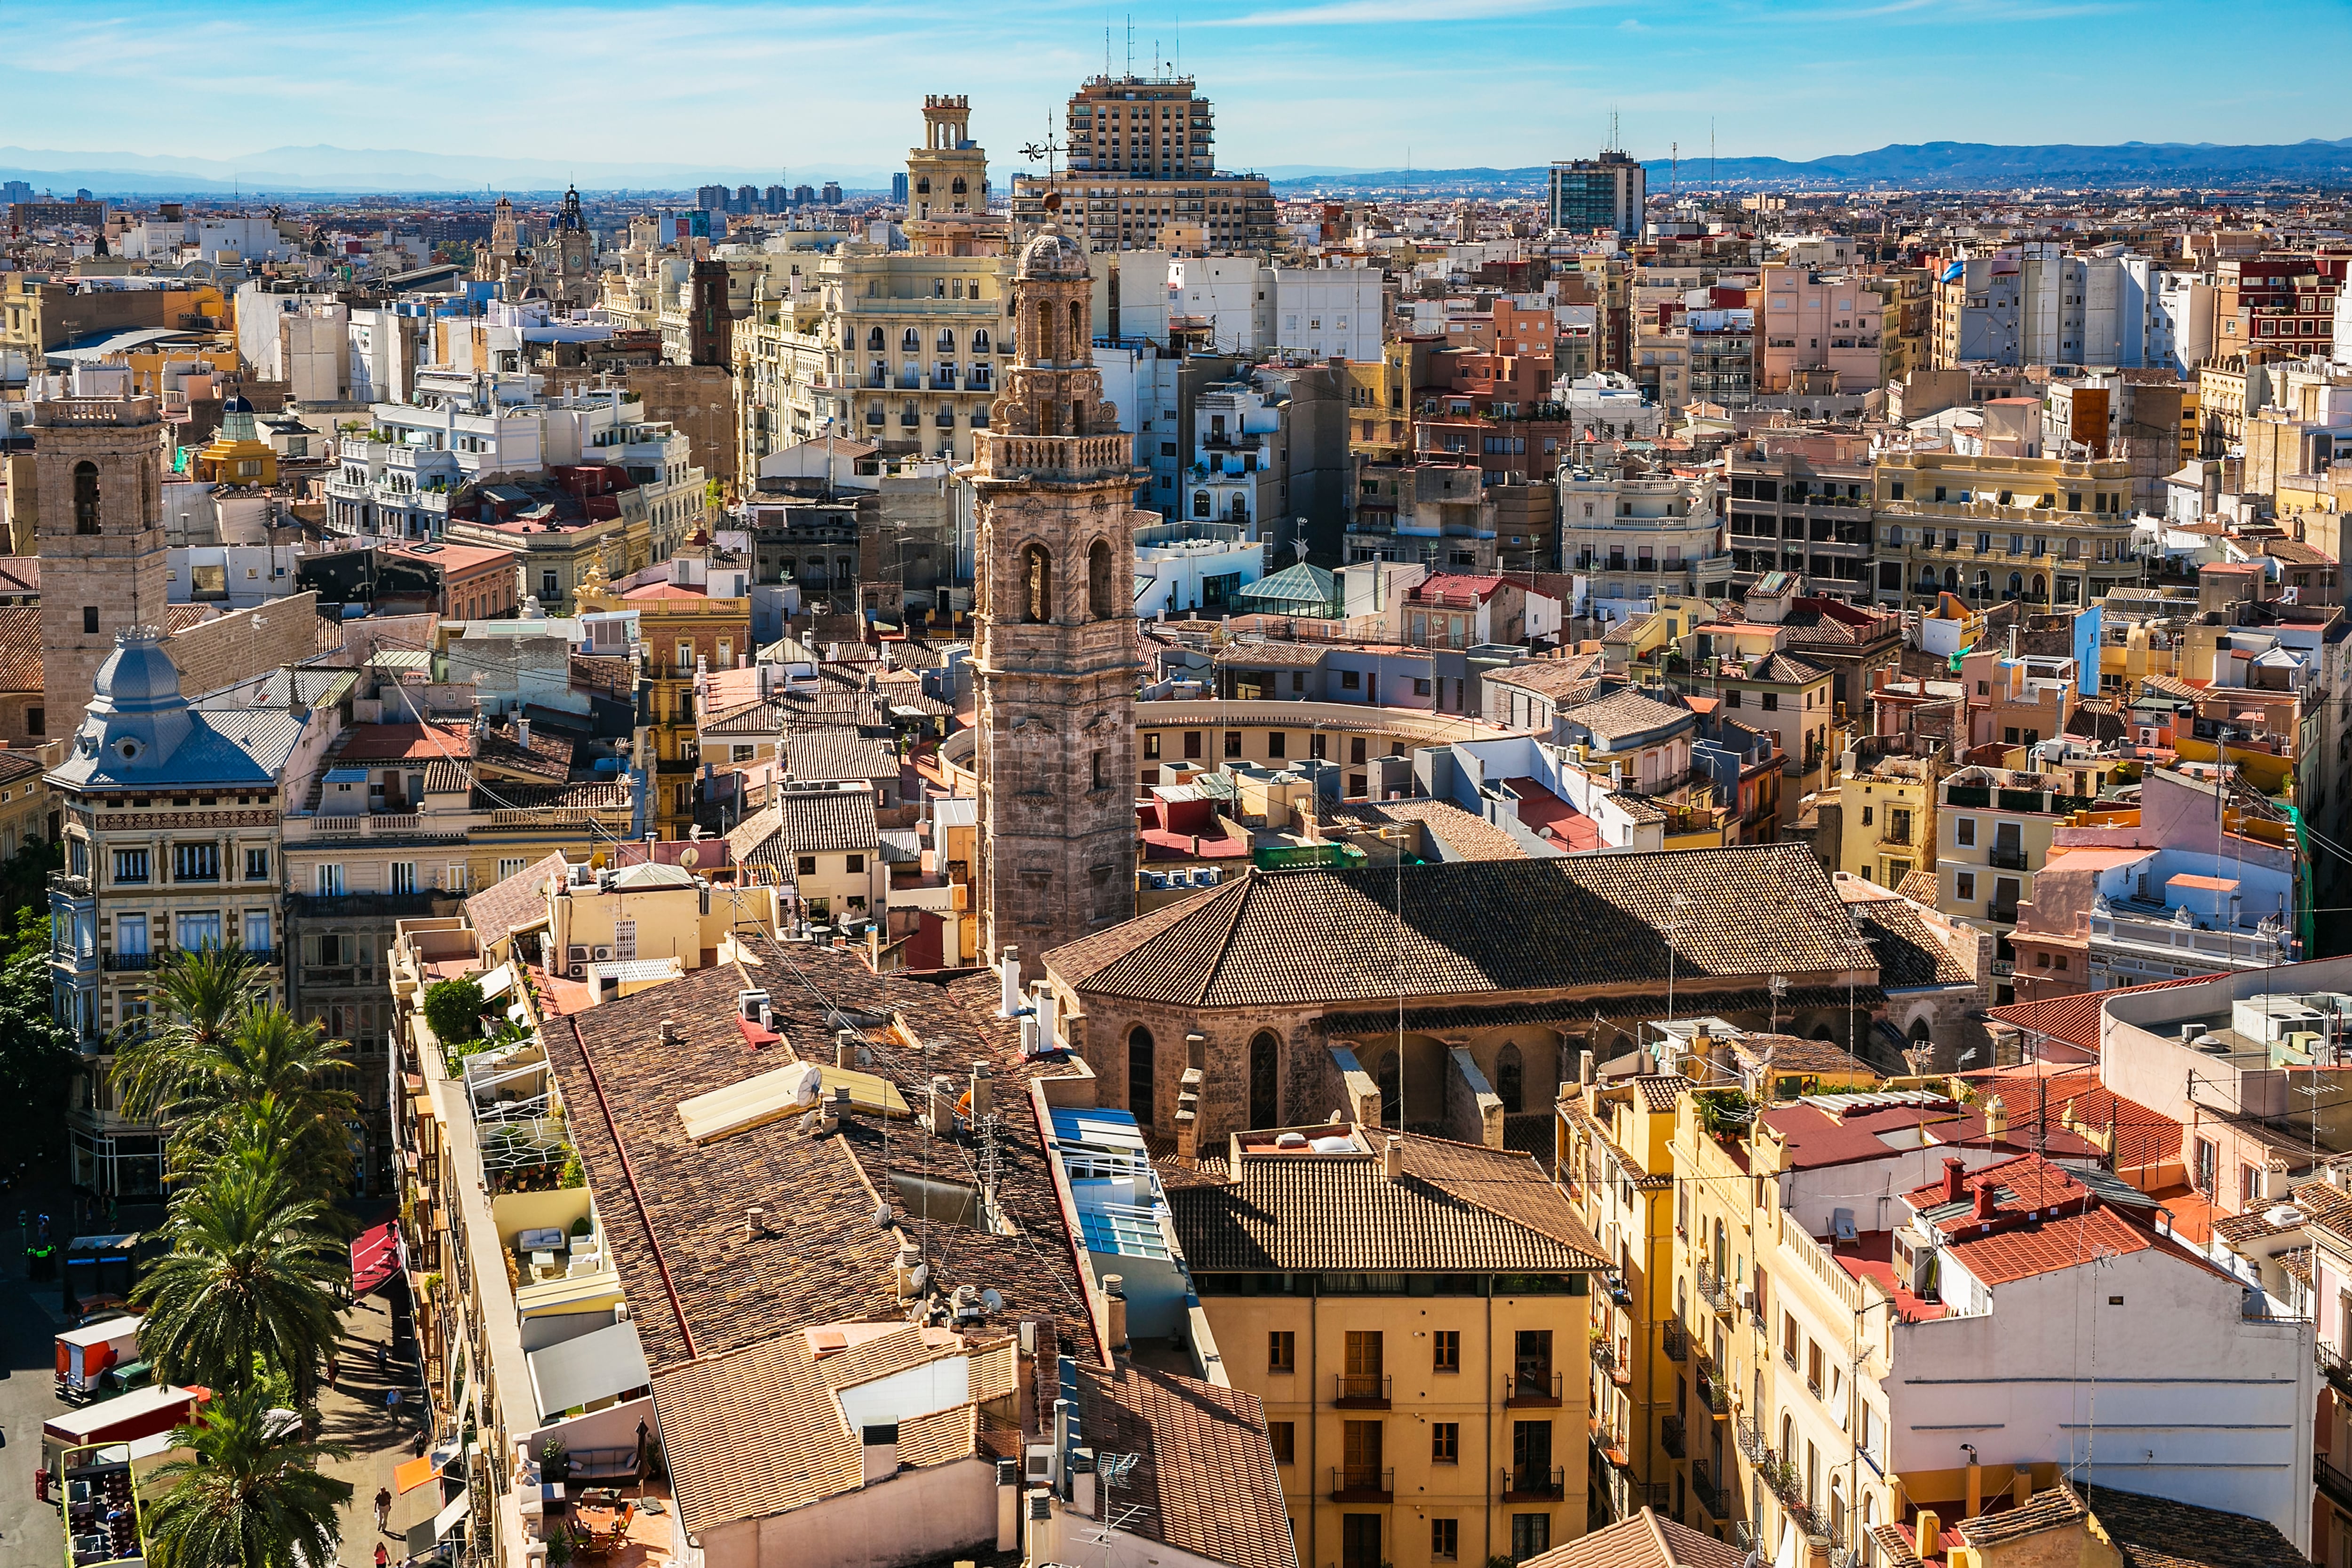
(1910, 951)
(1204, 1480)
(1645, 1541)
(675, 1208)
(760, 1431)
(402, 742)
(18, 764)
(548, 757)
(2052, 1509)
(1273, 654)
(2159, 1532)
(1919, 887)
(1466, 836)
(588, 794)
(1458, 1207)
(1783, 1054)
(804, 822)
(1569, 679)
(20, 647)
(2075, 1020)
(1328, 937)
(837, 752)
(1627, 711)
(2143, 1137)
(1661, 1090)
(180, 617)
(502, 906)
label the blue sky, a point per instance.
(1355, 83)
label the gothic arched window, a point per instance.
(1139, 1072)
(1510, 1078)
(1264, 1053)
(1036, 584)
(85, 502)
(1098, 582)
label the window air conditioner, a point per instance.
(1747, 1298)
(604, 953)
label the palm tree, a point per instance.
(251, 1496)
(246, 1283)
(270, 1059)
(199, 997)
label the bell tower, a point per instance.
(98, 475)
(1056, 644)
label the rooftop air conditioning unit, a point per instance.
(578, 953)
(604, 953)
(577, 971)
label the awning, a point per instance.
(411, 1474)
(375, 1257)
(595, 1366)
(448, 1518)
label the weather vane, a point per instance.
(1046, 148)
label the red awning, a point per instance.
(376, 1258)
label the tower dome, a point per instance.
(1053, 256)
(137, 717)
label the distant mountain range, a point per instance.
(1947, 166)
(1951, 165)
(323, 169)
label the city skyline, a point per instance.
(806, 91)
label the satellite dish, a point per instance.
(881, 1216)
(991, 1300)
(689, 857)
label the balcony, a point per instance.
(2001, 914)
(1361, 1391)
(1605, 1357)
(1709, 1495)
(1671, 1437)
(356, 826)
(2008, 859)
(1712, 1392)
(2334, 1484)
(2334, 1367)
(132, 963)
(1362, 1483)
(381, 906)
(1677, 1340)
(1532, 1483)
(1717, 1291)
(1532, 1388)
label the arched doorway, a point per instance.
(1140, 1074)
(1388, 1074)
(1510, 1078)
(1265, 1054)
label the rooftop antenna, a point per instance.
(1130, 48)
(1106, 51)
(1710, 149)
(1674, 167)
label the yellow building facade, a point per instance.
(1889, 820)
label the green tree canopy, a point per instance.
(249, 1495)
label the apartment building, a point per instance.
(1993, 831)
(693, 617)
(1142, 173)
(2039, 530)
(1801, 501)
(1637, 536)
(1597, 195)
(171, 837)
(1406, 1309)
(1615, 1162)
(1887, 817)
(1824, 329)
(1492, 409)
(1440, 515)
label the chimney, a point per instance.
(1996, 1119)
(522, 731)
(942, 1105)
(755, 1221)
(844, 1047)
(1927, 1527)
(1817, 1552)
(1188, 1136)
(1982, 1210)
(981, 1091)
(1008, 1504)
(877, 1452)
(1115, 1297)
(1584, 1068)
(1008, 974)
(1041, 998)
(1392, 1159)
(1955, 1173)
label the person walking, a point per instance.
(382, 1557)
(382, 1510)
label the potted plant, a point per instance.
(555, 1461)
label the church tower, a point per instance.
(947, 176)
(1054, 599)
(97, 476)
(575, 253)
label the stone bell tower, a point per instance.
(97, 476)
(1055, 599)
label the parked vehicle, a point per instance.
(85, 1353)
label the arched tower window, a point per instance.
(1098, 582)
(1036, 585)
(923, 186)
(1140, 1074)
(85, 502)
(1078, 334)
(1266, 1109)
(1510, 1078)
(958, 188)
